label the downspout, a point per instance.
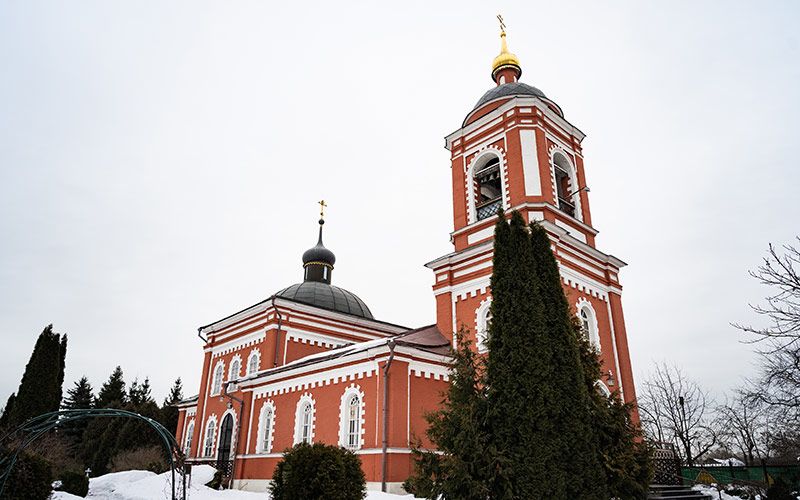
(199, 334)
(238, 429)
(278, 334)
(386, 414)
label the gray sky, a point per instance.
(160, 162)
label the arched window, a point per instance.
(253, 361)
(353, 423)
(483, 319)
(351, 419)
(235, 368)
(266, 421)
(589, 323)
(566, 185)
(187, 447)
(304, 420)
(211, 430)
(216, 386)
(489, 189)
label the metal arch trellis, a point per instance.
(34, 427)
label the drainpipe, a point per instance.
(238, 428)
(386, 414)
(277, 334)
(199, 334)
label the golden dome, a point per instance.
(505, 59)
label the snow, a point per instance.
(730, 461)
(143, 485)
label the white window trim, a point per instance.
(481, 159)
(344, 414)
(298, 418)
(213, 454)
(594, 331)
(572, 172)
(255, 353)
(216, 380)
(267, 406)
(187, 439)
(234, 436)
(235, 376)
(482, 326)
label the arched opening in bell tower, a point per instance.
(489, 188)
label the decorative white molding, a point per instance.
(218, 374)
(427, 370)
(484, 155)
(330, 376)
(591, 316)
(268, 406)
(530, 162)
(235, 364)
(350, 392)
(255, 353)
(482, 325)
(298, 418)
(212, 419)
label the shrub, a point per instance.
(75, 482)
(318, 471)
(30, 479)
(780, 491)
(143, 458)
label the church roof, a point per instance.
(319, 294)
(508, 90)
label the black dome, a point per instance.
(508, 90)
(326, 296)
(319, 253)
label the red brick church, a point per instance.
(310, 363)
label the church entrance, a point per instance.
(226, 433)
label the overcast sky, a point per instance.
(160, 162)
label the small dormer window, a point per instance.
(489, 189)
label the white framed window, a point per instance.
(351, 419)
(565, 184)
(588, 320)
(235, 369)
(187, 446)
(253, 362)
(266, 425)
(304, 420)
(216, 385)
(483, 318)
(485, 185)
(211, 434)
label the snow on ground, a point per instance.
(143, 485)
(712, 491)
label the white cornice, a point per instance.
(514, 102)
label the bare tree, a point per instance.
(743, 426)
(779, 385)
(674, 407)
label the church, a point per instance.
(311, 364)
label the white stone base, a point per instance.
(396, 488)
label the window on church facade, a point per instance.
(208, 449)
(305, 424)
(216, 386)
(489, 187)
(252, 363)
(564, 188)
(267, 415)
(589, 326)
(234, 375)
(187, 448)
(353, 423)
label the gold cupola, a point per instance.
(505, 61)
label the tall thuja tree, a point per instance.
(542, 411)
(40, 389)
(563, 382)
(112, 394)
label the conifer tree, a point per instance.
(169, 413)
(80, 397)
(6, 416)
(40, 389)
(112, 393)
(467, 463)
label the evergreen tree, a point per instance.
(139, 393)
(80, 397)
(169, 412)
(536, 381)
(40, 389)
(625, 458)
(112, 393)
(5, 417)
(467, 463)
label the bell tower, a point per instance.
(515, 150)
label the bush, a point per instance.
(318, 471)
(144, 458)
(30, 479)
(75, 482)
(780, 491)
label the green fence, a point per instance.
(724, 474)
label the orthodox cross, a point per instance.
(502, 24)
(322, 206)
